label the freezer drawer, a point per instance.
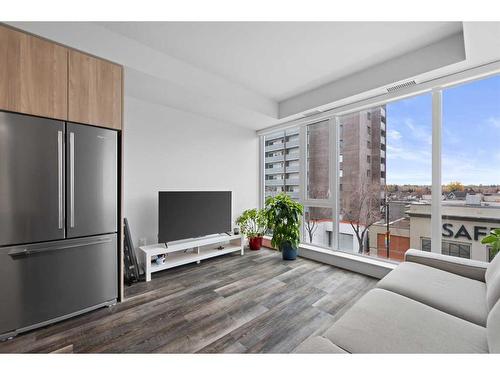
(45, 281)
(31, 179)
(92, 180)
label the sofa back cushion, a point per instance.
(492, 278)
(493, 329)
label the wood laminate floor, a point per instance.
(231, 304)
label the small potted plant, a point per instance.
(493, 239)
(253, 224)
(283, 215)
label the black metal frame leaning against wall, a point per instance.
(132, 272)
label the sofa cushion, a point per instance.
(318, 345)
(493, 329)
(492, 277)
(453, 294)
(386, 322)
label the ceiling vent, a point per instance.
(401, 86)
(311, 113)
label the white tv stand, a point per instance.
(182, 252)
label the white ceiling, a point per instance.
(282, 59)
(258, 74)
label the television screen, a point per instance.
(190, 214)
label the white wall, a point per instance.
(168, 149)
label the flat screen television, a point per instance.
(190, 214)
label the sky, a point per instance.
(471, 136)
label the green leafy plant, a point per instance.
(493, 239)
(283, 215)
(253, 223)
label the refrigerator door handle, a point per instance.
(72, 179)
(26, 251)
(60, 178)
(18, 252)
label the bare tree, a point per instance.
(363, 210)
(311, 225)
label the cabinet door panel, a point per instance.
(95, 91)
(33, 75)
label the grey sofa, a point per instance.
(430, 303)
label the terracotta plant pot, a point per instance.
(255, 243)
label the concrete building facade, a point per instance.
(463, 227)
(362, 153)
(281, 163)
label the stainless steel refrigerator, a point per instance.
(58, 220)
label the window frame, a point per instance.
(332, 201)
(447, 244)
(436, 88)
(284, 134)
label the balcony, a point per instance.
(271, 171)
(275, 147)
(382, 167)
(292, 182)
(382, 153)
(272, 137)
(291, 194)
(292, 169)
(382, 140)
(292, 144)
(289, 133)
(274, 159)
(277, 182)
(293, 156)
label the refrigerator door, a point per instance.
(31, 179)
(46, 281)
(91, 186)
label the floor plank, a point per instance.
(256, 303)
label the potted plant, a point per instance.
(283, 215)
(253, 224)
(493, 239)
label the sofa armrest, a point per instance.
(472, 269)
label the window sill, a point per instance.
(364, 265)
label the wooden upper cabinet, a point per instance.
(95, 91)
(33, 75)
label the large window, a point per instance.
(319, 218)
(318, 226)
(470, 159)
(281, 163)
(318, 155)
(361, 198)
(366, 178)
(383, 184)
(406, 213)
